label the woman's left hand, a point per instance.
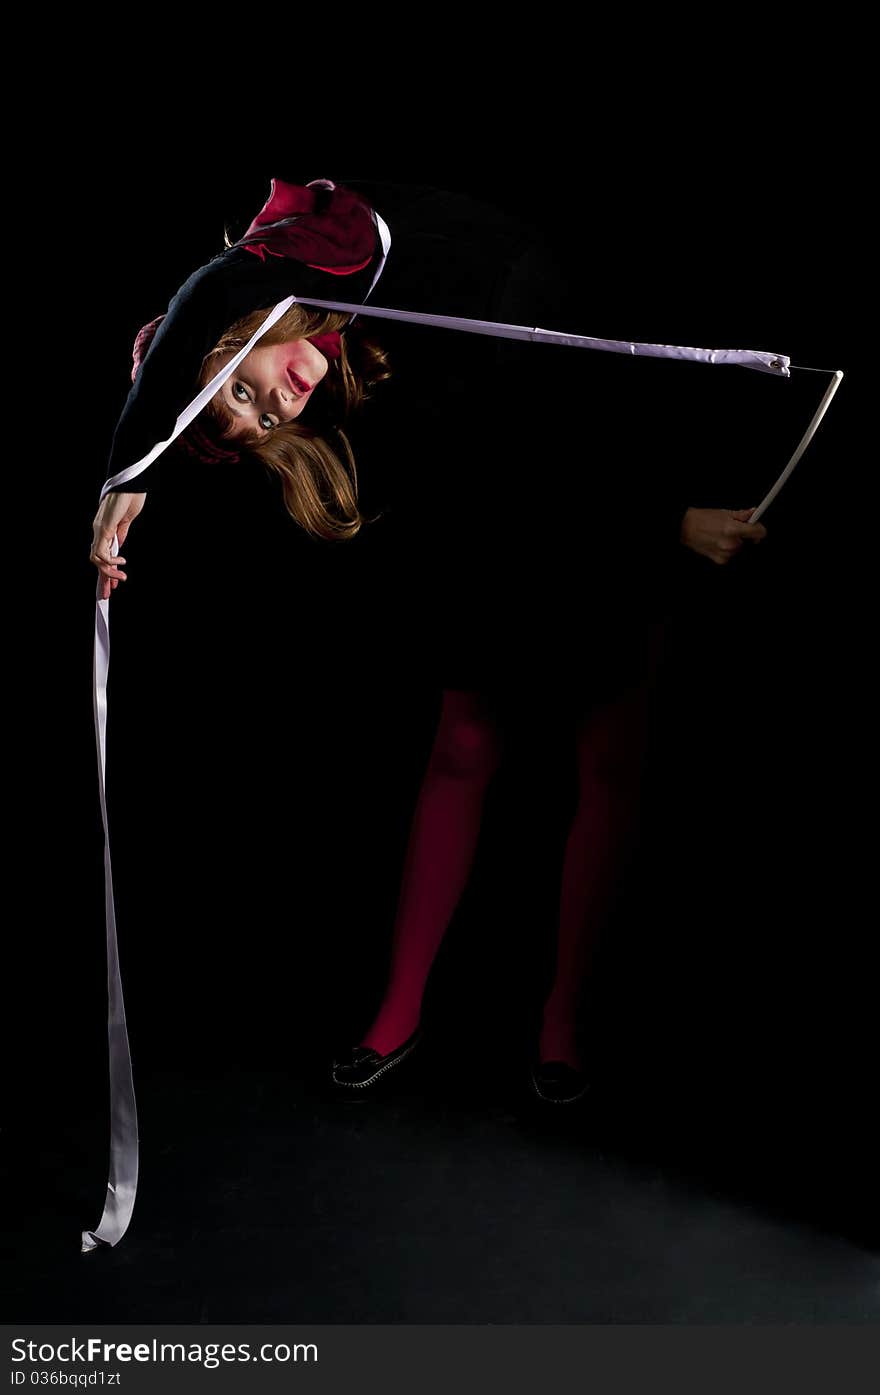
(115, 514)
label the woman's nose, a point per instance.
(281, 400)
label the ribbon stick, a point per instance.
(805, 440)
(123, 1171)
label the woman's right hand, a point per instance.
(720, 533)
(114, 516)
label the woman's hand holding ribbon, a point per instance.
(114, 517)
(719, 534)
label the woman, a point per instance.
(316, 240)
(475, 408)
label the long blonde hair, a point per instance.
(319, 480)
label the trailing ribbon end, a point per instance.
(123, 1169)
(124, 1142)
(122, 1186)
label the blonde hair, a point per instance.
(319, 480)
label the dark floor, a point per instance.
(452, 1199)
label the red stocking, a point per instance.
(443, 838)
(610, 745)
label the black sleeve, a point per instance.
(167, 379)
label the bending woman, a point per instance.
(463, 399)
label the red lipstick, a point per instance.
(296, 382)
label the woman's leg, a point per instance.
(443, 838)
(611, 741)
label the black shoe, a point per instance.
(361, 1066)
(556, 1082)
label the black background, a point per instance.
(268, 732)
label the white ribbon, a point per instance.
(123, 1171)
(746, 358)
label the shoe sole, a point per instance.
(377, 1074)
(569, 1099)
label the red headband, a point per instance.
(329, 344)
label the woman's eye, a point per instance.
(243, 395)
(240, 392)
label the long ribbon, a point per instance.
(122, 1183)
(123, 1170)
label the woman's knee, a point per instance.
(469, 742)
(612, 745)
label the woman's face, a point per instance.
(270, 386)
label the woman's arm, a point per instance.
(167, 379)
(213, 298)
(116, 513)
